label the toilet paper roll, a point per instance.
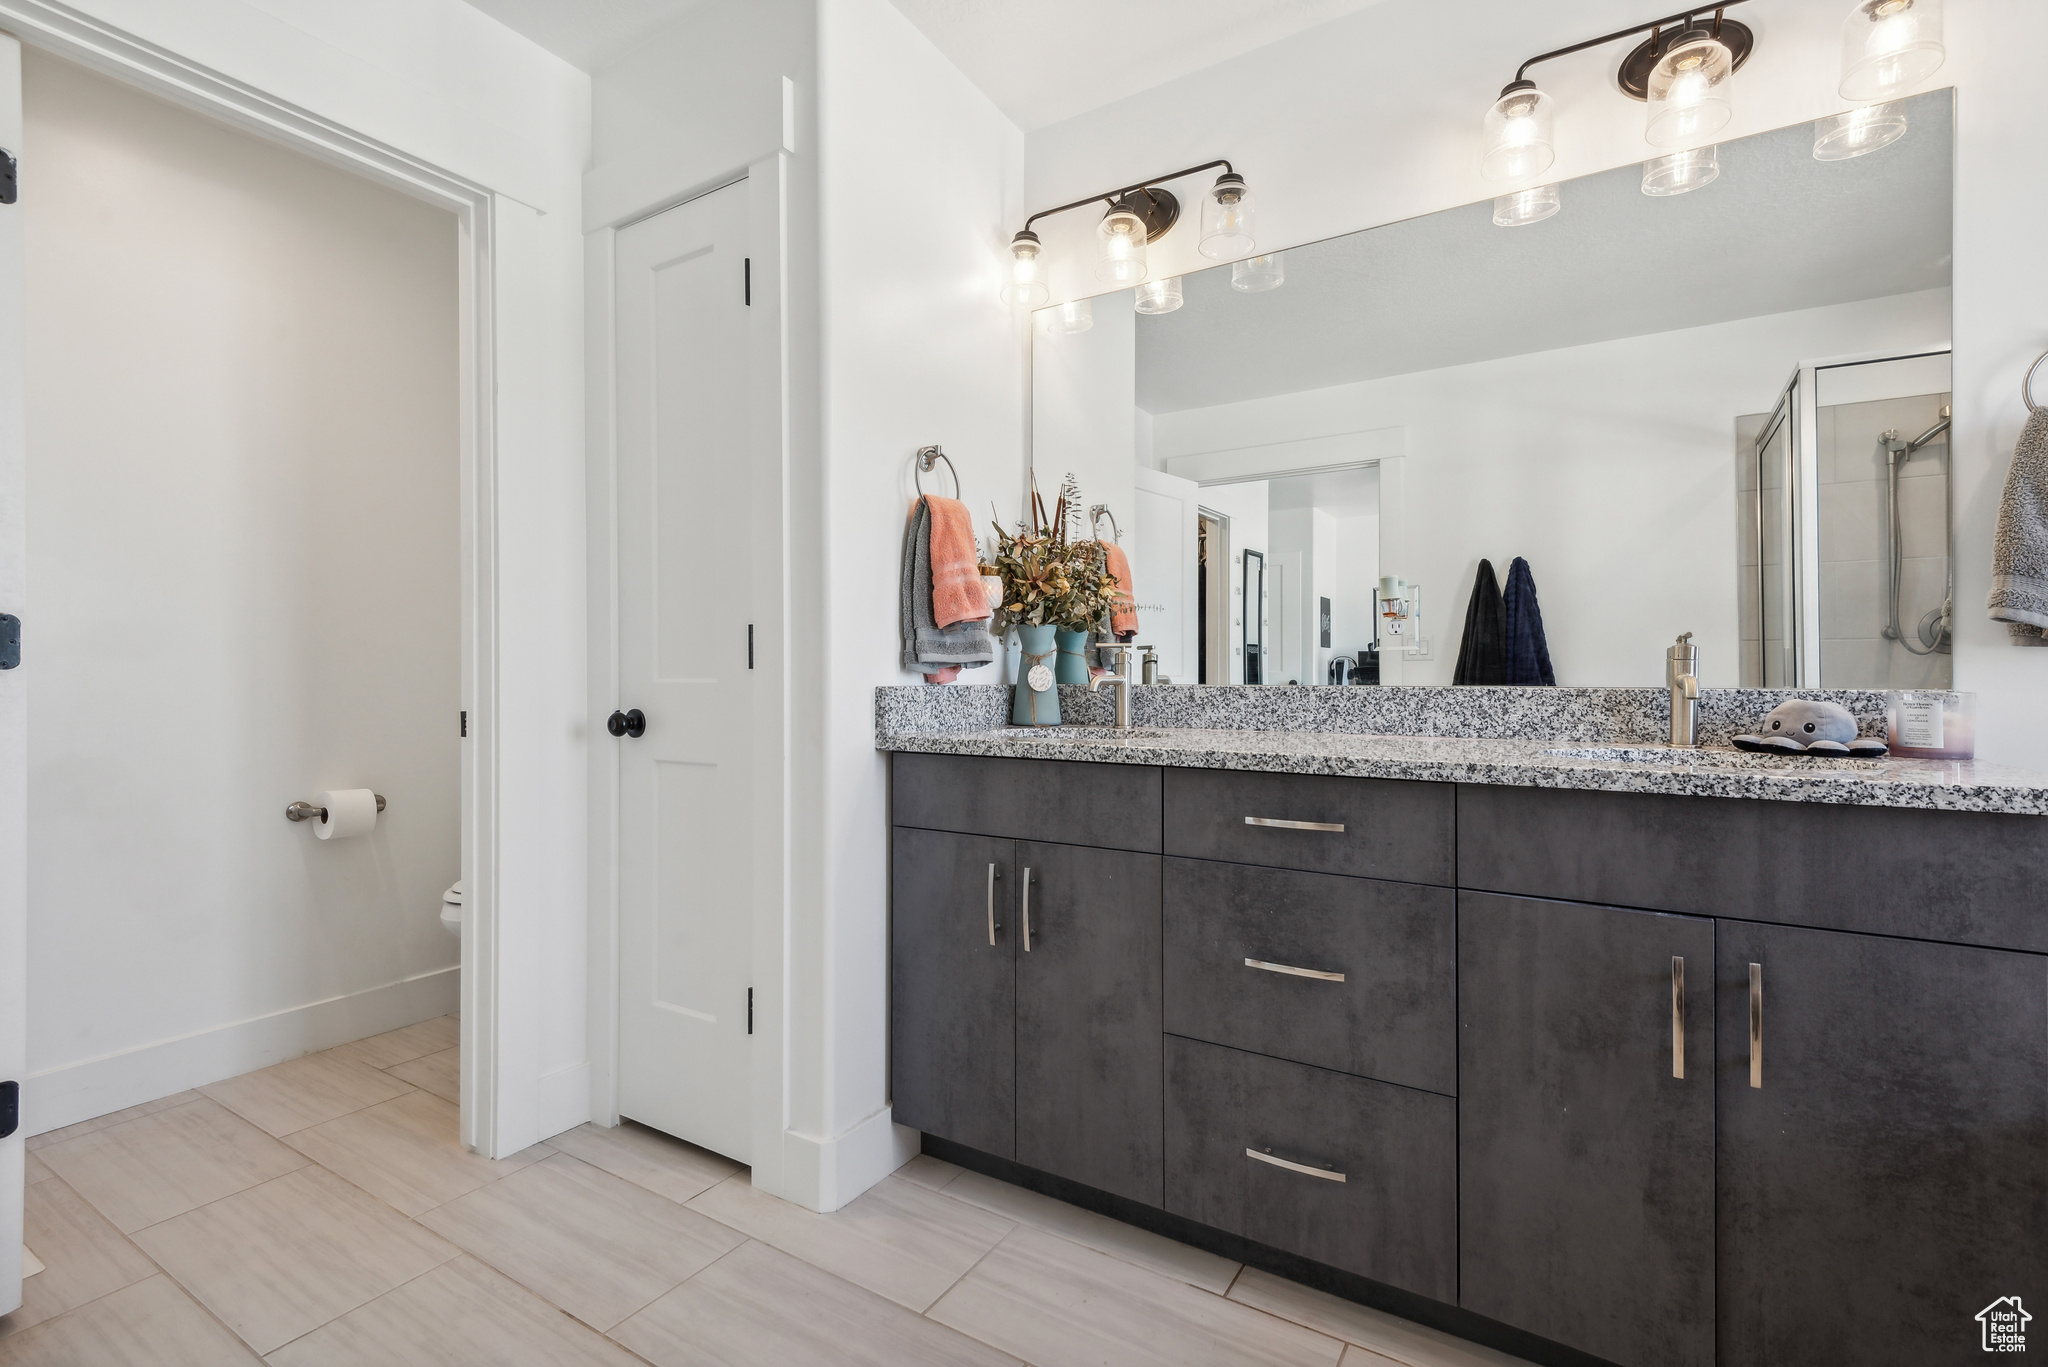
(351, 811)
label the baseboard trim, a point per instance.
(65, 1095)
(564, 1101)
(824, 1174)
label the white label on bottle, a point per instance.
(1920, 723)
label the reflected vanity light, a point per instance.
(1523, 207)
(1120, 250)
(1135, 216)
(1158, 296)
(1681, 171)
(1843, 136)
(1027, 278)
(1076, 315)
(1256, 274)
(1889, 46)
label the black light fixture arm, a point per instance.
(1112, 196)
(1683, 17)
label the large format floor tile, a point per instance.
(149, 1324)
(928, 1171)
(666, 1166)
(83, 1256)
(1165, 1256)
(593, 1244)
(901, 1240)
(305, 1091)
(101, 1122)
(439, 1073)
(462, 1314)
(166, 1163)
(394, 1047)
(34, 1169)
(1056, 1304)
(279, 1260)
(406, 1151)
(1390, 1336)
(759, 1307)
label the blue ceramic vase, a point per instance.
(1073, 663)
(1031, 706)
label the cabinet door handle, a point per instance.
(992, 876)
(1301, 1168)
(1292, 971)
(1756, 1025)
(1677, 1016)
(1277, 823)
(1027, 911)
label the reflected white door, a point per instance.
(684, 842)
(1165, 562)
(13, 699)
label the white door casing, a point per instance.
(13, 690)
(1165, 562)
(685, 801)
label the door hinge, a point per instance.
(10, 178)
(750, 645)
(10, 640)
(750, 1010)
(10, 1108)
(465, 721)
(749, 287)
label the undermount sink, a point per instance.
(1735, 760)
(1086, 733)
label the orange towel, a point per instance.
(1123, 614)
(957, 594)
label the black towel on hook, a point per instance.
(1528, 654)
(1482, 655)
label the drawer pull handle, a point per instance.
(992, 876)
(1756, 1025)
(1294, 972)
(1302, 1168)
(1677, 1016)
(1027, 911)
(1277, 823)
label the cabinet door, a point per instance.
(1089, 1051)
(1889, 1180)
(952, 1005)
(1586, 1169)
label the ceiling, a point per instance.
(586, 33)
(1778, 231)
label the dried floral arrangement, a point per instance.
(1050, 576)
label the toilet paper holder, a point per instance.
(306, 811)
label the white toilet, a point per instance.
(451, 909)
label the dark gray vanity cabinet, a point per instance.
(1586, 1164)
(1088, 1017)
(1889, 1178)
(953, 987)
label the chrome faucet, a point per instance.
(1120, 681)
(1681, 676)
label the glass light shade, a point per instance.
(1076, 315)
(1843, 136)
(1890, 46)
(1158, 296)
(1524, 207)
(1688, 90)
(1681, 171)
(1026, 285)
(1120, 250)
(1256, 274)
(1520, 139)
(1226, 220)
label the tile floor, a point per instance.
(322, 1212)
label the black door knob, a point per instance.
(632, 723)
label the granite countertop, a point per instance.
(1567, 742)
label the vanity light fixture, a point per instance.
(1687, 90)
(1136, 215)
(1889, 46)
(1520, 137)
(1257, 274)
(1158, 296)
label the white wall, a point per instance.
(1374, 117)
(1594, 462)
(247, 588)
(440, 83)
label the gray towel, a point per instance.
(2019, 553)
(927, 646)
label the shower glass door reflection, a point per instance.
(1777, 560)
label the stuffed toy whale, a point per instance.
(1800, 727)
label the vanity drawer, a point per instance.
(1393, 1015)
(1394, 1215)
(1112, 806)
(1365, 827)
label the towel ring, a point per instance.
(927, 457)
(2027, 385)
(1096, 514)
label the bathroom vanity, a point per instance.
(1590, 1052)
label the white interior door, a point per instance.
(1165, 562)
(684, 802)
(13, 704)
